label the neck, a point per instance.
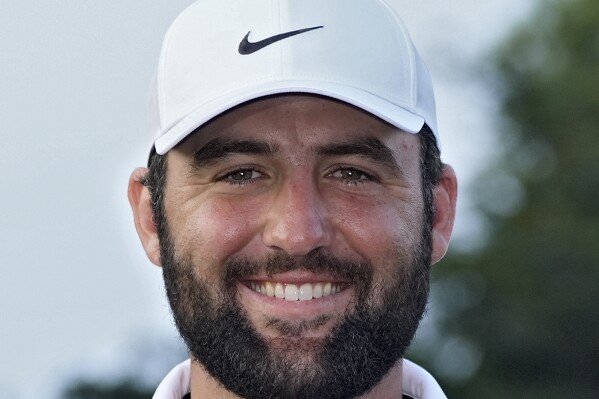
(204, 386)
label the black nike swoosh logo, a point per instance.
(246, 47)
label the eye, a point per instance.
(351, 176)
(241, 176)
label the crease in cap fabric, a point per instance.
(221, 53)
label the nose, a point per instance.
(297, 221)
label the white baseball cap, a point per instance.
(221, 53)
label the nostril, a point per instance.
(298, 236)
(296, 239)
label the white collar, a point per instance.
(417, 382)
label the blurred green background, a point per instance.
(518, 316)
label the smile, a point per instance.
(297, 292)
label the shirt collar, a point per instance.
(417, 382)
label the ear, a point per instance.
(143, 216)
(445, 208)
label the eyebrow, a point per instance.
(220, 148)
(371, 148)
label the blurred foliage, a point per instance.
(520, 316)
(125, 389)
(142, 364)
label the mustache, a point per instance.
(317, 261)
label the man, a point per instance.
(294, 198)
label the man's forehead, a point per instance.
(310, 121)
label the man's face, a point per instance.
(295, 256)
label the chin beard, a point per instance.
(366, 342)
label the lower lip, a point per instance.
(295, 310)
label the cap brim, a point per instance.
(389, 112)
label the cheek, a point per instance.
(214, 229)
(378, 229)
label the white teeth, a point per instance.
(291, 292)
(317, 290)
(305, 292)
(279, 291)
(270, 289)
(326, 290)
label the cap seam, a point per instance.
(280, 66)
(403, 35)
(160, 80)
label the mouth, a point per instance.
(296, 291)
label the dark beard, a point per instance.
(365, 344)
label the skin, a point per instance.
(297, 194)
